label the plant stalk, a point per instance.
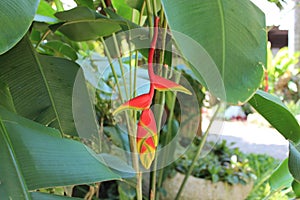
(161, 97)
(150, 16)
(169, 133)
(198, 153)
(131, 131)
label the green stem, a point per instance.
(111, 66)
(137, 53)
(131, 136)
(199, 150)
(168, 135)
(42, 38)
(118, 54)
(163, 40)
(150, 16)
(120, 63)
(141, 13)
(59, 5)
(131, 131)
(161, 100)
(154, 8)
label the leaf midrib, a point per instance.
(14, 161)
(222, 19)
(46, 85)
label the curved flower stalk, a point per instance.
(146, 136)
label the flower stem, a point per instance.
(131, 131)
(167, 139)
(199, 150)
(149, 15)
(161, 99)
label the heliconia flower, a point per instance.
(137, 103)
(162, 84)
(146, 139)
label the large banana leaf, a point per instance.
(34, 156)
(6, 98)
(16, 17)
(277, 114)
(228, 35)
(41, 86)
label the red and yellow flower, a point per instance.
(146, 137)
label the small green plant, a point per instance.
(223, 163)
(263, 166)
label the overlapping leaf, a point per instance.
(28, 164)
(278, 115)
(16, 17)
(82, 24)
(6, 98)
(41, 86)
(223, 36)
(294, 161)
(281, 177)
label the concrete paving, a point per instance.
(251, 138)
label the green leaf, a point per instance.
(126, 192)
(13, 185)
(78, 13)
(45, 9)
(16, 17)
(137, 4)
(84, 111)
(294, 161)
(84, 30)
(61, 48)
(41, 86)
(221, 35)
(87, 3)
(296, 188)
(127, 25)
(45, 196)
(34, 156)
(277, 114)
(281, 177)
(6, 98)
(118, 165)
(45, 13)
(131, 28)
(123, 9)
(84, 24)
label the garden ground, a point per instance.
(252, 138)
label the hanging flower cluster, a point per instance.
(146, 136)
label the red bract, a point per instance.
(147, 138)
(138, 103)
(162, 84)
